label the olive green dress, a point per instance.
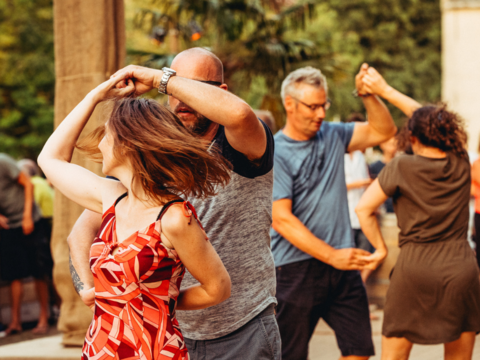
(434, 292)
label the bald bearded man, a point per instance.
(237, 219)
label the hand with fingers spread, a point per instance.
(145, 79)
(349, 259)
(374, 83)
(360, 86)
(4, 222)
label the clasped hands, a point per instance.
(368, 81)
(130, 81)
(356, 259)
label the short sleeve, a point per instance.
(389, 178)
(343, 130)
(241, 164)
(282, 180)
(9, 167)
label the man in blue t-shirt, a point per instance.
(315, 257)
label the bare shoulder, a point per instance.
(175, 223)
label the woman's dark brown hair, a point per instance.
(437, 127)
(166, 157)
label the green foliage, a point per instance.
(400, 38)
(260, 42)
(249, 36)
(26, 76)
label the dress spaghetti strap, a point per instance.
(188, 211)
(120, 198)
(166, 206)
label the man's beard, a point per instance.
(201, 126)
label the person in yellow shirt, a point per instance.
(43, 193)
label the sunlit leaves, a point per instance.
(26, 76)
(259, 42)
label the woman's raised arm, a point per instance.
(75, 182)
(376, 84)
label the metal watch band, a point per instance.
(167, 74)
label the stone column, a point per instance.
(461, 63)
(89, 47)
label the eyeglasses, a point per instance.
(214, 83)
(315, 107)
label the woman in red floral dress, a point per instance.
(149, 235)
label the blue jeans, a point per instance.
(259, 339)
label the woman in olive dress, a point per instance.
(434, 293)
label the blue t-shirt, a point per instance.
(311, 173)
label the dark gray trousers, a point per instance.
(259, 339)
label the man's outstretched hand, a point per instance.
(376, 259)
(349, 259)
(145, 79)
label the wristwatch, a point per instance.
(167, 74)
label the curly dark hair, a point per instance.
(435, 126)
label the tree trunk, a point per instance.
(89, 47)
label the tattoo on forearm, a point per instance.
(77, 282)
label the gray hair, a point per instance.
(306, 75)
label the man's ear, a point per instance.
(289, 104)
(224, 87)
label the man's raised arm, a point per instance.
(244, 131)
(79, 241)
(380, 126)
